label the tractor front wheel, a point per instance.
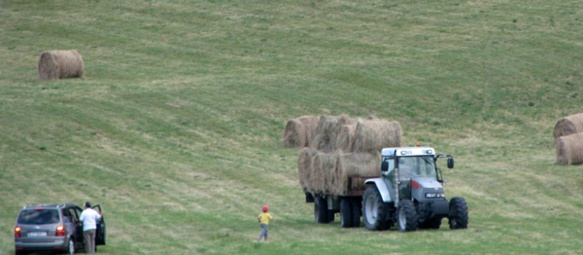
(458, 213)
(407, 216)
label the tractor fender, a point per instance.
(381, 187)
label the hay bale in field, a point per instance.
(305, 167)
(300, 132)
(358, 167)
(569, 125)
(373, 135)
(60, 64)
(327, 131)
(569, 149)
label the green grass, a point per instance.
(176, 127)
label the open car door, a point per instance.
(100, 233)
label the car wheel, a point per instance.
(71, 247)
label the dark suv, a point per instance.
(52, 227)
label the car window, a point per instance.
(38, 216)
(68, 215)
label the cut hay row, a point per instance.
(569, 149)
(569, 125)
(60, 64)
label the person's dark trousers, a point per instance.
(89, 241)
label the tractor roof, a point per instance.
(408, 151)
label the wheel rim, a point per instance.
(402, 219)
(371, 210)
(71, 247)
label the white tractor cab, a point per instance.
(410, 192)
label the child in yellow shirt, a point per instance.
(263, 220)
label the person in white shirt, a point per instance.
(89, 217)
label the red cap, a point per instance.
(265, 208)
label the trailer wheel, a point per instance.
(320, 210)
(458, 213)
(374, 211)
(407, 216)
(356, 209)
(346, 214)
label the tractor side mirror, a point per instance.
(449, 162)
(385, 166)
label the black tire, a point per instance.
(375, 213)
(320, 210)
(407, 216)
(355, 213)
(71, 247)
(458, 213)
(346, 213)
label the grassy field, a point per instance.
(176, 128)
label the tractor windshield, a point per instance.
(420, 166)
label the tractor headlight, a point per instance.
(434, 195)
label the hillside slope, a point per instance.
(176, 128)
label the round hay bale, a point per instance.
(323, 168)
(345, 138)
(353, 168)
(569, 149)
(305, 168)
(373, 135)
(569, 125)
(327, 131)
(60, 64)
(300, 132)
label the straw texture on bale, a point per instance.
(373, 135)
(570, 149)
(300, 132)
(569, 125)
(60, 64)
(355, 166)
(305, 167)
(323, 168)
(345, 138)
(327, 131)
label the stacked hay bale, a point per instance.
(60, 64)
(299, 132)
(343, 153)
(568, 134)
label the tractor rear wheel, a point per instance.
(375, 213)
(407, 216)
(458, 213)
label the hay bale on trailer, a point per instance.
(305, 167)
(345, 138)
(60, 64)
(323, 167)
(353, 168)
(327, 131)
(569, 125)
(569, 149)
(373, 135)
(300, 132)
